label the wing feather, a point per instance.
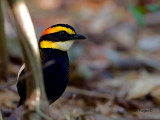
(20, 71)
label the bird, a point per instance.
(54, 43)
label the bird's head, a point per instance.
(60, 36)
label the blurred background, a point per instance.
(114, 74)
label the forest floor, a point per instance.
(114, 74)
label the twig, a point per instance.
(3, 49)
(1, 116)
(36, 100)
(27, 74)
(89, 93)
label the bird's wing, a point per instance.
(20, 71)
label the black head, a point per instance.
(59, 36)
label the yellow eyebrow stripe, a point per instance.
(57, 29)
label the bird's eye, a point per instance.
(63, 34)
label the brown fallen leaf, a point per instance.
(8, 98)
(145, 84)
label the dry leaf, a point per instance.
(145, 84)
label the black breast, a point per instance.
(55, 76)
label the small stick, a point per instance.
(12, 82)
(89, 93)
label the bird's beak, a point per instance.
(79, 36)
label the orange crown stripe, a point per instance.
(58, 29)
